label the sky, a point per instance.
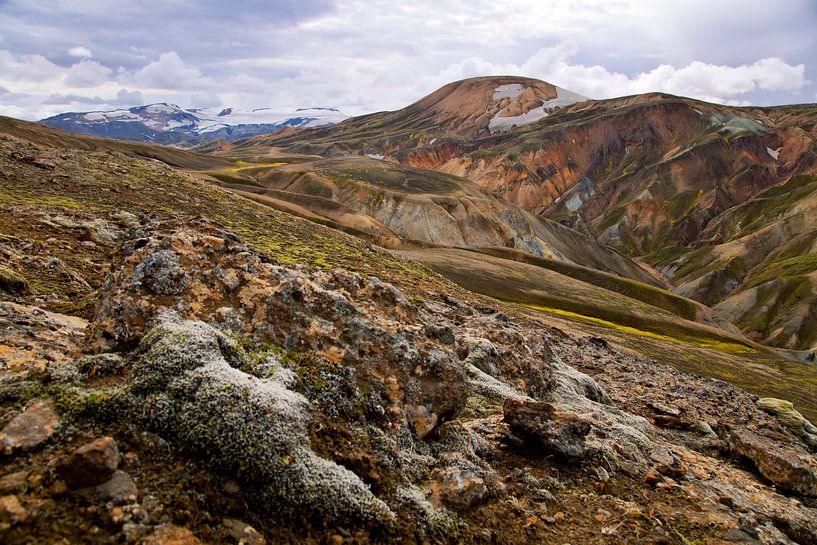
(365, 56)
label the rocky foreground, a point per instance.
(219, 396)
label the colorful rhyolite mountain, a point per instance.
(717, 198)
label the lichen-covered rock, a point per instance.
(539, 424)
(254, 429)
(790, 417)
(787, 469)
(354, 322)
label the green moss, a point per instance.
(783, 268)
(666, 256)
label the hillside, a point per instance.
(182, 364)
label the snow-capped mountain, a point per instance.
(169, 124)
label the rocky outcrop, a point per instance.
(183, 386)
(788, 470)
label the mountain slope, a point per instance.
(398, 205)
(641, 174)
(462, 110)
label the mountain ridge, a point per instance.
(166, 123)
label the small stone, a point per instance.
(13, 482)
(559, 516)
(11, 512)
(34, 480)
(119, 489)
(728, 501)
(652, 477)
(171, 535)
(117, 516)
(130, 460)
(459, 488)
(90, 464)
(30, 428)
(243, 532)
(58, 488)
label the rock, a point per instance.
(13, 482)
(254, 430)
(783, 467)
(785, 412)
(652, 477)
(459, 488)
(171, 535)
(538, 422)
(11, 512)
(13, 282)
(422, 421)
(667, 410)
(243, 532)
(481, 353)
(161, 273)
(119, 489)
(90, 464)
(29, 429)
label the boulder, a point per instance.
(539, 424)
(254, 430)
(783, 467)
(785, 412)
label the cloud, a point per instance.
(64, 100)
(169, 72)
(363, 56)
(87, 74)
(128, 98)
(697, 79)
(80, 52)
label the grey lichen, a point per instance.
(183, 387)
(161, 272)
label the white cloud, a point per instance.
(363, 56)
(697, 79)
(79, 52)
(87, 74)
(169, 72)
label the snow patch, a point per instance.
(162, 109)
(774, 153)
(432, 141)
(375, 156)
(511, 90)
(563, 98)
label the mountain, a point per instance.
(169, 124)
(182, 364)
(716, 198)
